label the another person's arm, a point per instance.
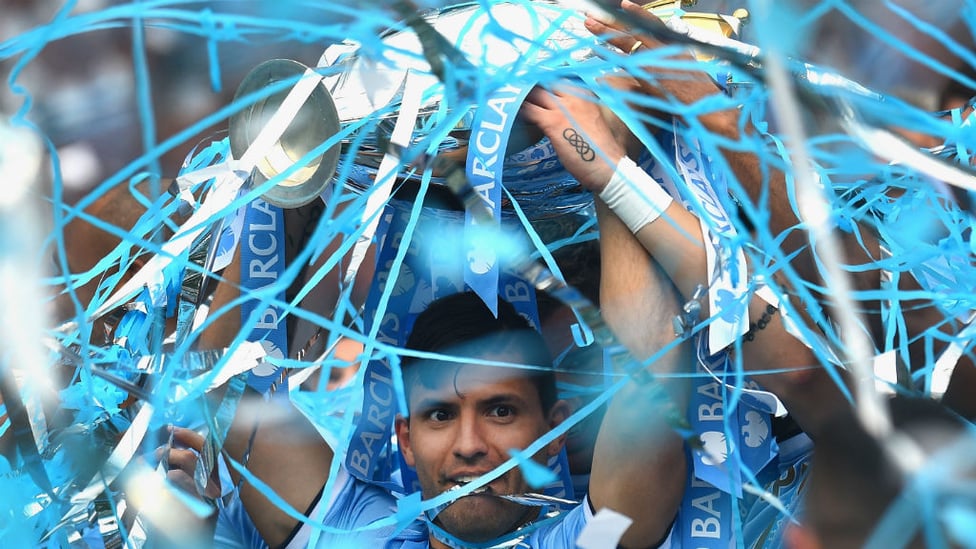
(271, 438)
(766, 180)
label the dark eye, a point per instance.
(439, 415)
(501, 411)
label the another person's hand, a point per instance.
(685, 86)
(182, 459)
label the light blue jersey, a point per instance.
(763, 524)
(358, 504)
(354, 506)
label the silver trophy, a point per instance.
(365, 83)
(482, 46)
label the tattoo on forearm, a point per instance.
(580, 144)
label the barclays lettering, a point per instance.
(518, 292)
(373, 433)
(713, 411)
(262, 258)
(488, 141)
(484, 163)
(706, 521)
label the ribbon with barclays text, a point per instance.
(736, 430)
(262, 262)
(490, 132)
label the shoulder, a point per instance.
(564, 531)
(358, 514)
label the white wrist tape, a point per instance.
(635, 196)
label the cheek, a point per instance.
(519, 436)
(425, 447)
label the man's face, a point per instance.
(464, 420)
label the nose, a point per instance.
(470, 443)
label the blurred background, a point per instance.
(82, 86)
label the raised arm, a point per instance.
(637, 454)
(762, 179)
(271, 438)
(673, 238)
(639, 463)
(687, 87)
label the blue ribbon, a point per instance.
(262, 262)
(486, 158)
(705, 516)
(741, 441)
(368, 457)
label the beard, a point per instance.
(481, 518)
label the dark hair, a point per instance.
(955, 90)
(853, 481)
(579, 263)
(462, 325)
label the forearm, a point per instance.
(675, 242)
(765, 187)
(767, 183)
(686, 89)
(671, 234)
(638, 301)
(631, 284)
(639, 466)
(644, 478)
(287, 454)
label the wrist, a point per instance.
(601, 176)
(634, 196)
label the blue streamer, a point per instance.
(930, 238)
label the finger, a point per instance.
(638, 11)
(536, 116)
(540, 98)
(531, 113)
(603, 26)
(622, 82)
(614, 35)
(564, 90)
(188, 438)
(639, 19)
(160, 453)
(184, 460)
(183, 481)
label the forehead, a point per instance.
(446, 381)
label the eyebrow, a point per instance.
(431, 404)
(506, 398)
(435, 403)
